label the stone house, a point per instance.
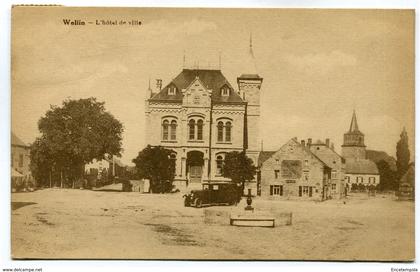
(20, 156)
(294, 172)
(325, 151)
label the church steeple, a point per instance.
(353, 125)
(354, 141)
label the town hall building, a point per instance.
(201, 116)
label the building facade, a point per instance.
(20, 156)
(294, 172)
(201, 117)
(359, 170)
(325, 151)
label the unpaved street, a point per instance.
(66, 223)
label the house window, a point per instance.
(306, 163)
(359, 180)
(277, 161)
(20, 160)
(191, 125)
(306, 175)
(173, 130)
(372, 180)
(228, 129)
(347, 179)
(276, 190)
(334, 174)
(276, 174)
(165, 130)
(219, 165)
(333, 186)
(220, 131)
(200, 130)
(305, 191)
(171, 90)
(225, 92)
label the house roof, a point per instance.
(361, 167)
(16, 141)
(211, 79)
(264, 155)
(376, 156)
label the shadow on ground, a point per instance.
(17, 205)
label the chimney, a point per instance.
(302, 142)
(309, 142)
(158, 84)
(327, 142)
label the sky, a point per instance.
(318, 66)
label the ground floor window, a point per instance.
(305, 191)
(333, 186)
(276, 190)
(372, 180)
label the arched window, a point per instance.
(191, 125)
(200, 130)
(173, 130)
(228, 129)
(165, 128)
(219, 165)
(220, 131)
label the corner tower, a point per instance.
(249, 86)
(354, 141)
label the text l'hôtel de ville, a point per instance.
(101, 22)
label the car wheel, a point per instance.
(198, 203)
(187, 202)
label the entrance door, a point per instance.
(196, 173)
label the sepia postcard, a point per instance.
(212, 134)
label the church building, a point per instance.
(359, 170)
(201, 116)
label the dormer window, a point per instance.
(225, 91)
(171, 90)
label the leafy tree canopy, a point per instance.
(155, 164)
(76, 133)
(403, 154)
(238, 167)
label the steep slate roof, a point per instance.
(264, 155)
(211, 79)
(16, 141)
(268, 154)
(376, 156)
(354, 128)
(361, 167)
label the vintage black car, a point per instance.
(214, 194)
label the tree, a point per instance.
(75, 134)
(155, 164)
(41, 162)
(239, 168)
(403, 154)
(388, 178)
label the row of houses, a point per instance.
(315, 170)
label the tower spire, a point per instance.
(353, 125)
